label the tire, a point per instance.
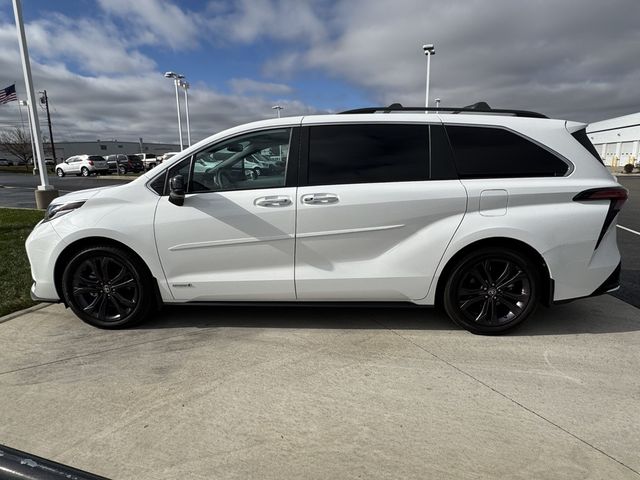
(122, 170)
(85, 172)
(107, 287)
(257, 171)
(60, 172)
(492, 290)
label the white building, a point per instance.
(617, 139)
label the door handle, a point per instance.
(320, 198)
(273, 201)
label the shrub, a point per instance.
(628, 168)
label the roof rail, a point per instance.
(480, 107)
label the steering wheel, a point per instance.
(222, 179)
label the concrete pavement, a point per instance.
(327, 393)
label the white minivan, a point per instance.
(484, 212)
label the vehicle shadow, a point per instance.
(581, 317)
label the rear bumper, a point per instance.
(611, 284)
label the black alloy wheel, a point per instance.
(107, 287)
(85, 172)
(491, 291)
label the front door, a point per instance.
(233, 239)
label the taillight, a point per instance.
(90, 162)
(615, 195)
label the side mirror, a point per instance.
(176, 193)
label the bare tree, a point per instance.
(17, 142)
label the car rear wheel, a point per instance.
(60, 172)
(85, 172)
(491, 291)
(107, 287)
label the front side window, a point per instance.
(368, 153)
(255, 160)
(487, 152)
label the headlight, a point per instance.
(60, 209)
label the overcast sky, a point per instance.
(102, 61)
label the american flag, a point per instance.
(8, 94)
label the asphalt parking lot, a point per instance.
(327, 393)
(331, 393)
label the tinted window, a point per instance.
(368, 153)
(96, 158)
(482, 152)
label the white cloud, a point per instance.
(157, 22)
(248, 85)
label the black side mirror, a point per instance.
(176, 193)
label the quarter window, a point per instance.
(372, 153)
(484, 152)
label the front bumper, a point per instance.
(43, 246)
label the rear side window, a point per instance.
(581, 136)
(485, 152)
(373, 153)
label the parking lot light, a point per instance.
(185, 86)
(428, 51)
(176, 79)
(277, 108)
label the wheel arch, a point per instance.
(546, 287)
(74, 247)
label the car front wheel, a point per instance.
(491, 290)
(60, 172)
(107, 287)
(122, 170)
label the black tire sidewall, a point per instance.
(140, 275)
(457, 273)
(84, 171)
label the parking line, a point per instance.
(628, 229)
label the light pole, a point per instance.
(277, 108)
(176, 79)
(428, 51)
(185, 86)
(45, 192)
(437, 103)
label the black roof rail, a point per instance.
(480, 107)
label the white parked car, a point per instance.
(486, 213)
(150, 160)
(84, 165)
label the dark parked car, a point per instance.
(124, 164)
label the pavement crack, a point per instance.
(74, 357)
(512, 400)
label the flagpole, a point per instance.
(45, 192)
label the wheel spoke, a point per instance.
(513, 307)
(504, 274)
(463, 292)
(126, 283)
(483, 312)
(85, 289)
(475, 273)
(91, 307)
(120, 275)
(493, 310)
(116, 304)
(472, 301)
(102, 309)
(517, 276)
(486, 268)
(96, 270)
(124, 301)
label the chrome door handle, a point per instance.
(320, 198)
(273, 201)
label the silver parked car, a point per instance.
(84, 165)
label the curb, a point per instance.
(19, 313)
